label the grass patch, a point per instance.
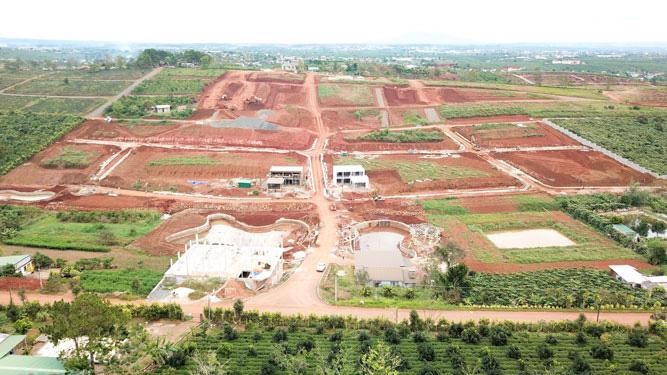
(69, 157)
(413, 118)
(51, 232)
(65, 105)
(550, 109)
(404, 136)
(535, 203)
(578, 92)
(12, 103)
(410, 171)
(335, 94)
(70, 87)
(183, 160)
(360, 114)
(447, 206)
(170, 86)
(139, 282)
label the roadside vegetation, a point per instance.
(235, 341)
(642, 139)
(24, 134)
(403, 136)
(141, 106)
(414, 118)
(183, 160)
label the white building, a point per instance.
(351, 175)
(162, 108)
(21, 263)
(636, 279)
(227, 252)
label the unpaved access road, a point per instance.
(99, 111)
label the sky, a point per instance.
(339, 21)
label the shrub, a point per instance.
(409, 294)
(639, 366)
(22, 325)
(581, 338)
(391, 336)
(419, 337)
(428, 370)
(455, 330)
(336, 336)
(425, 352)
(513, 351)
(637, 337)
(442, 336)
(388, 292)
(490, 364)
(551, 340)
(306, 344)
(579, 365)
(280, 335)
(224, 350)
(499, 336)
(470, 336)
(544, 352)
(602, 351)
(229, 333)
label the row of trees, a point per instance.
(151, 57)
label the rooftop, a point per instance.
(624, 229)
(628, 273)
(381, 259)
(9, 342)
(26, 364)
(348, 168)
(287, 168)
(13, 259)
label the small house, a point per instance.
(10, 344)
(386, 268)
(625, 231)
(275, 183)
(162, 108)
(636, 279)
(244, 183)
(291, 175)
(21, 263)
(351, 175)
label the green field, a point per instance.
(8, 78)
(70, 88)
(413, 118)
(12, 103)
(274, 344)
(563, 289)
(65, 105)
(68, 158)
(183, 160)
(589, 245)
(24, 134)
(189, 73)
(642, 139)
(96, 234)
(403, 136)
(550, 109)
(336, 94)
(170, 87)
(412, 171)
(580, 92)
(107, 74)
(120, 280)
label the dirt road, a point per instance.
(99, 111)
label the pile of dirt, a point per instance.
(402, 96)
(275, 95)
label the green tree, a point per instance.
(89, 316)
(454, 284)
(41, 260)
(380, 360)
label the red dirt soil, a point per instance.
(202, 114)
(465, 95)
(402, 96)
(275, 95)
(192, 134)
(227, 166)
(407, 212)
(574, 168)
(542, 135)
(344, 119)
(347, 142)
(294, 117)
(32, 173)
(397, 116)
(16, 283)
(389, 181)
(249, 213)
(487, 119)
(106, 202)
(277, 76)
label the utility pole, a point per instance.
(336, 288)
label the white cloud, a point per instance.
(341, 21)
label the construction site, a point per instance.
(276, 172)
